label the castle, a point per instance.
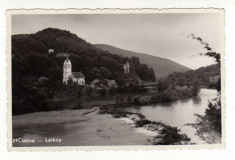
(76, 77)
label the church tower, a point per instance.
(67, 70)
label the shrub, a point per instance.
(171, 136)
(137, 100)
(112, 91)
(78, 105)
(143, 122)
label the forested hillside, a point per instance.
(30, 57)
(37, 75)
(162, 67)
(197, 78)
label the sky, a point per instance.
(163, 34)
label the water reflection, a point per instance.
(179, 112)
(137, 107)
(184, 100)
(197, 100)
(163, 104)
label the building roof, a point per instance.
(78, 75)
(67, 61)
(50, 50)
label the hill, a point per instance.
(40, 42)
(206, 77)
(162, 67)
(30, 57)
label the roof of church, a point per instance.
(78, 75)
(67, 61)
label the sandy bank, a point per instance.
(96, 126)
(50, 118)
(89, 129)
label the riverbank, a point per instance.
(129, 120)
(110, 126)
(50, 118)
(164, 134)
(205, 131)
(83, 127)
(70, 101)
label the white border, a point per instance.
(108, 11)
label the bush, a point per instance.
(171, 136)
(141, 123)
(20, 108)
(171, 95)
(89, 90)
(78, 105)
(137, 100)
(112, 91)
(79, 93)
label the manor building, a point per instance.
(126, 67)
(76, 77)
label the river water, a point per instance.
(105, 130)
(179, 113)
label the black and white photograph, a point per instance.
(116, 79)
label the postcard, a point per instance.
(115, 79)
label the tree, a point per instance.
(20, 67)
(79, 91)
(112, 91)
(132, 67)
(213, 114)
(105, 72)
(102, 92)
(195, 89)
(94, 73)
(162, 85)
(50, 94)
(55, 73)
(43, 81)
(209, 51)
(70, 82)
(211, 120)
(88, 91)
(144, 73)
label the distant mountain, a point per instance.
(162, 67)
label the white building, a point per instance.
(50, 51)
(126, 67)
(77, 77)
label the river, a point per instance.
(179, 113)
(105, 130)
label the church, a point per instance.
(77, 77)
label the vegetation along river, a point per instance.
(179, 113)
